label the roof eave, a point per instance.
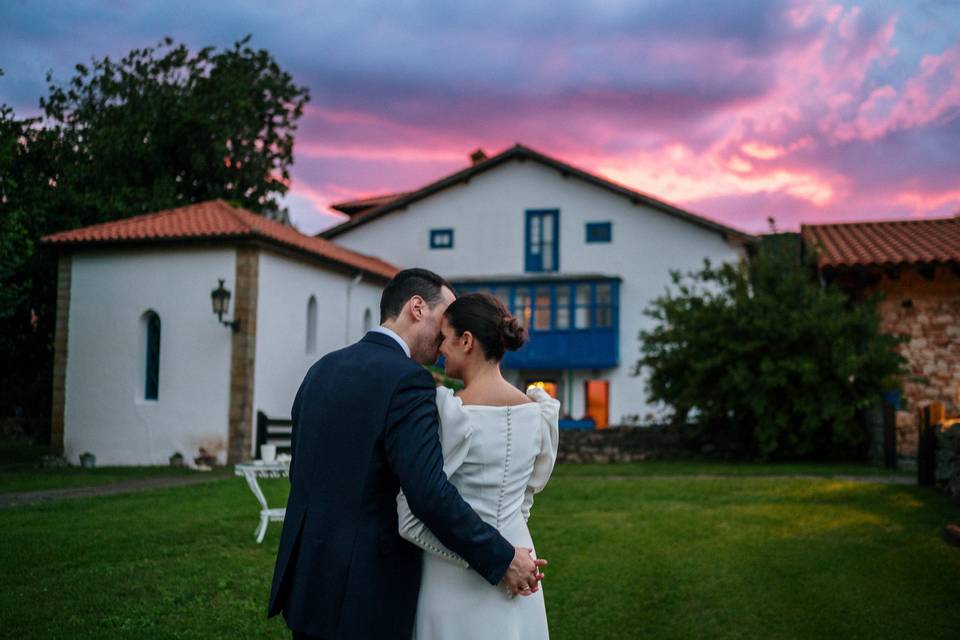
(64, 246)
(520, 151)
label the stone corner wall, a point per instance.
(60, 351)
(243, 353)
(948, 460)
(926, 310)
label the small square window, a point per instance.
(441, 238)
(599, 232)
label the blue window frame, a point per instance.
(152, 386)
(441, 238)
(572, 323)
(543, 240)
(599, 232)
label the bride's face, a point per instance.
(452, 350)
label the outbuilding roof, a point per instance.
(887, 243)
(521, 152)
(353, 207)
(216, 220)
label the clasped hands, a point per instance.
(523, 576)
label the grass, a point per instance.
(687, 468)
(631, 556)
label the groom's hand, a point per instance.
(523, 575)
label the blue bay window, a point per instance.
(573, 323)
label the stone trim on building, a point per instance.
(60, 352)
(242, 354)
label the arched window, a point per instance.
(151, 388)
(312, 325)
(367, 320)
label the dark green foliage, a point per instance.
(163, 127)
(763, 356)
(28, 206)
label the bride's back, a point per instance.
(503, 444)
(494, 393)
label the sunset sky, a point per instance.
(807, 110)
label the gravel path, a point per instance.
(127, 486)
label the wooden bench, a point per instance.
(274, 431)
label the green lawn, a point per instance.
(699, 467)
(631, 557)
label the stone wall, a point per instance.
(635, 444)
(927, 309)
(948, 460)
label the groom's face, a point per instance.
(426, 350)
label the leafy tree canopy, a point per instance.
(761, 355)
(165, 127)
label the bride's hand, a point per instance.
(523, 575)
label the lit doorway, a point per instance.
(597, 395)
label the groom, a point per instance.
(365, 426)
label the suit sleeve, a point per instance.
(294, 428)
(456, 431)
(413, 451)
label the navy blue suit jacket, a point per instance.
(365, 425)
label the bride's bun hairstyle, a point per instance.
(492, 326)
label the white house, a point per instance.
(144, 368)
(576, 256)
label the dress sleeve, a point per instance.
(455, 434)
(549, 441)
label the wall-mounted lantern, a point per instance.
(221, 304)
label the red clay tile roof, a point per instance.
(216, 220)
(885, 243)
(353, 207)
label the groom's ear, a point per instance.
(417, 306)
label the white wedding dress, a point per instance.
(497, 457)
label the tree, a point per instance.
(165, 127)
(28, 154)
(162, 127)
(763, 356)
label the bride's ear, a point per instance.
(467, 340)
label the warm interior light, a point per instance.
(550, 387)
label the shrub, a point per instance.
(761, 354)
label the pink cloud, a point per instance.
(787, 144)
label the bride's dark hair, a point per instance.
(486, 317)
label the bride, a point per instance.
(499, 446)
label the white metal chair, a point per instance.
(267, 514)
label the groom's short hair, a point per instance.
(405, 285)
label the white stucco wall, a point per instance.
(105, 411)
(488, 218)
(281, 360)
